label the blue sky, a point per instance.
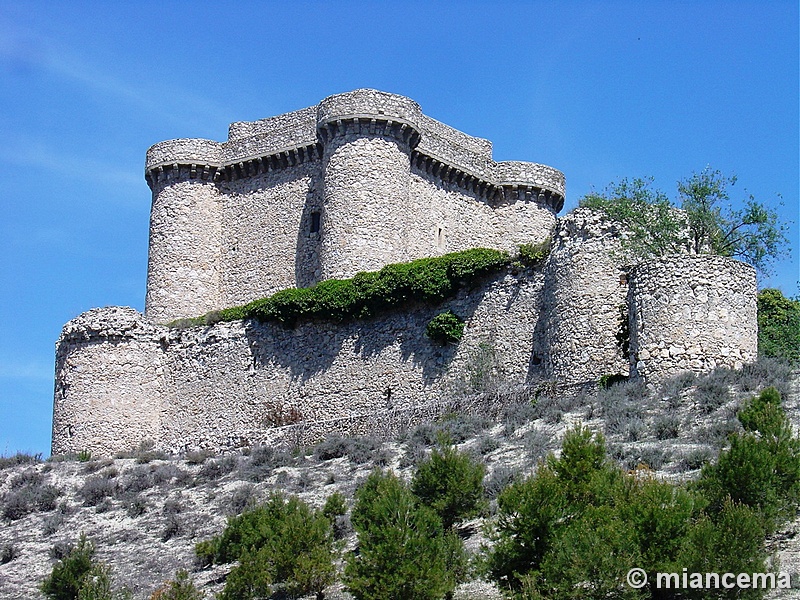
(599, 90)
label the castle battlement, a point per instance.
(362, 180)
(294, 137)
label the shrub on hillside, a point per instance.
(28, 494)
(68, 575)
(97, 488)
(761, 469)
(451, 483)
(359, 449)
(575, 528)
(20, 458)
(181, 588)
(778, 326)
(403, 551)
(283, 541)
(97, 585)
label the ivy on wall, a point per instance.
(445, 328)
(426, 280)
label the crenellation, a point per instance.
(359, 181)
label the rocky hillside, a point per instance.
(145, 512)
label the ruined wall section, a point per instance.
(109, 391)
(232, 383)
(691, 313)
(585, 300)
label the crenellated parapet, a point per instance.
(289, 139)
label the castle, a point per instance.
(362, 180)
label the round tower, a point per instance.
(530, 196)
(585, 300)
(183, 271)
(367, 139)
(691, 313)
(109, 392)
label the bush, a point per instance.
(403, 551)
(451, 483)
(335, 510)
(778, 326)
(262, 460)
(20, 458)
(445, 328)
(358, 449)
(69, 573)
(8, 552)
(97, 488)
(666, 427)
(711, 394)
(537, 442)
(500, 478)
(517, 414)
(695, 459)
(335, 506)
(762, 467)
(242, 498)
(533, 255)
(459, 427)
(216, 468)
(27, 495)
(488, 444)
(281, 542)
(580, 523)
(97, 585)
(181, 588)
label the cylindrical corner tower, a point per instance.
(585, 295)
(691, 313)
(367, 139)
(183, 271)
(108, 393)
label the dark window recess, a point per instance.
(315, 222)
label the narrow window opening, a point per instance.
(315, 222)
(440, 237)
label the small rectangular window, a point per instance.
(315, 222)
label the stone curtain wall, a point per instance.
(692, 313)
(122, 379)
(232, 221)
(267, 243)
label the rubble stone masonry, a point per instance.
(362, 180)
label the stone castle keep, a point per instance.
(362, 180)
